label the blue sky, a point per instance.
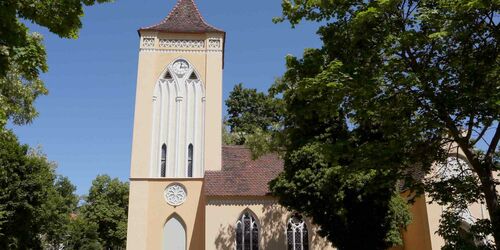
(85, 123)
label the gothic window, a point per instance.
(163, 160)
(247, 233)
(190, 160)
(296, 233)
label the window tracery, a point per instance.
(297, 234)
(247, 233)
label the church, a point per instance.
(187, 190)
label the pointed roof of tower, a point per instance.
(184, 18)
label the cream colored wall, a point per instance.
(222, 214)
(149, 211)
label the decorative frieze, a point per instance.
(240, 202)
(148, 42)
(182, 44)
(214, 43)
(185, 51)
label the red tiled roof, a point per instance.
(242, 176)
(184, 18)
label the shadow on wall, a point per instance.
(225, 238)
(273, 225)
(317, 242)
(272, 221)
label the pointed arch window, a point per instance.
(296, 233)
(190, 160)
(163, 160)
(247, 233)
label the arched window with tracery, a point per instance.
(296, 233)
(247, 232)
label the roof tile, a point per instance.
(242, 176)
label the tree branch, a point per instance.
(493, 144)
(470, 128)
(480, 135)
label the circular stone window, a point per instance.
(175, 194)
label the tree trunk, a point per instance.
(492, 203)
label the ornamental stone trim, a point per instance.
(148, 42)
(214, 43)
(181, 43)
(240, 202)
(170, 51)
(175, 194)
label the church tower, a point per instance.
(177, 129)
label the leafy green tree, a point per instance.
(396, 85)
(57, 210)
(22, 54)
(107, 207)
(250, 111)
(82, 235)
(31, 196)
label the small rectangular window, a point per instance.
(190, 160)
(163, 160)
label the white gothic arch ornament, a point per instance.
(178, 120)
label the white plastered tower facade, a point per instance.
(177, 128)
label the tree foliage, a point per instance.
(22, 54)
(250, 111)
(397, 86)
(39, 209)
(36, 204)
(106, 207)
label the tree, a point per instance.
(35, 203)
(83, 235)
(22, 54)
(56, 213)
(106, 207)
(396, 85)
(250, 111)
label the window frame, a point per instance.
(305, 227)
(163, 161)
(254, 224)
(190, 160)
